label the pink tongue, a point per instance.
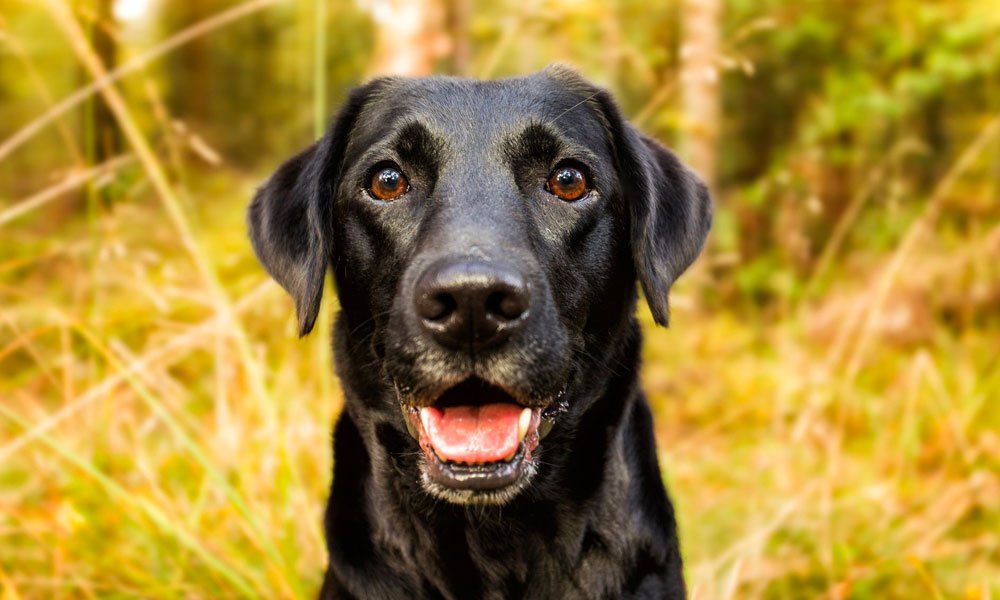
(473, 434)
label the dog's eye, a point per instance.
(567, 183)
(388, 183)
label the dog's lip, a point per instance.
(475, 475)
(478, 477)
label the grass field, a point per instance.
(166, 436)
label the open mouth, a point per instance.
(476, 436)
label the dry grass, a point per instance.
(164, 434)
(137, 460)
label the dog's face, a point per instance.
(485, 238)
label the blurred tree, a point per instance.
(254, 81)
(700, 50)
(844, 119)
(459, 13)
(411, 36)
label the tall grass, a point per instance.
(164, 434)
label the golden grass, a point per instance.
(127, 383)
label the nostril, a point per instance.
(434, 307)
(506, 305)
(445, 304)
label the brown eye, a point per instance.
(567, 183)
(388, 184)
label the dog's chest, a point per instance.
(499, 560)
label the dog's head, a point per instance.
(485, 239)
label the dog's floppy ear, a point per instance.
(290, 218)
(670, 210)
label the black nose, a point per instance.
(470, 304)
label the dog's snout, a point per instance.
(470, 304)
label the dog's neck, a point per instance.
(381, 522)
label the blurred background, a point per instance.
(826, 397)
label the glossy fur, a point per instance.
(594, 520)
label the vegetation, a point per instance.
(826, 397)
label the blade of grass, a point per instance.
(7, 589)
(23, 339)
(759, 536)
(111, 381)
(65, 20)
(876, 176)
(925, 577)
(662, 95)
(166, 524)
(43, 92)
(182, 37)
(73, 180)
(319, 68)
(186, 441)
(511, 28)
(129, 373)
(922, 224)
(320, 345)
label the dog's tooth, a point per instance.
(523, 422)
(510, 456)
(425, 418)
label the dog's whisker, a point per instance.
(578, 104)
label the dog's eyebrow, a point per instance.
(410, 142)
(536, 141)
(540, 141)
(416, 144)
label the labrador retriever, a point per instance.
(485, 239)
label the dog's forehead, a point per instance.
(475, 114)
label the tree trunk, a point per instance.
(700, 84)
(459, 12)
(412, 36)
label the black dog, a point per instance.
(485, 239)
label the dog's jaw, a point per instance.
(483, 479)
(497, 497)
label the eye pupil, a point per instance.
(389, 178)
(387, 184)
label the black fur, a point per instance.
(592, 520)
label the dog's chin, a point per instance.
(471, 496)
(478, 443)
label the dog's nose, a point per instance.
(470, 304)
